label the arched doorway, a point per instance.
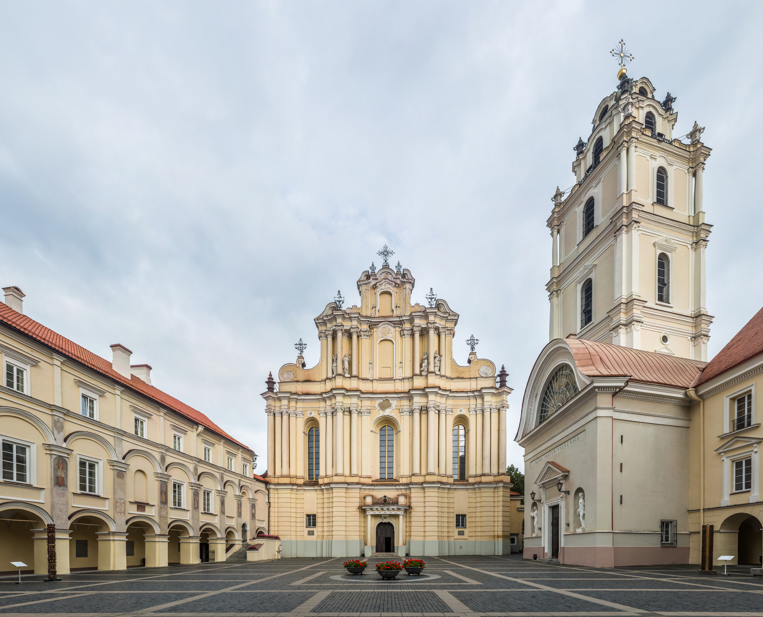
(244, 533)
(750, 542)
(17, 530)
(204, 546)
(173, 549)
(83, 547)
(385, 538)
(135, 549)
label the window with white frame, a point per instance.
(88, 473)
(89, 406)
(231, 462)
(742, 412)
(178, 494)
(16, 377)
(208, 454)
(743, 475)
(668, 533)
(245, 470)
(311, 520)
(177, 442)
(586, 303)
(139, 425)
(16, 462)
(460, 521)
(206, 501)
(663, 278)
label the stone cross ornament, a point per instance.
(472, 342)
(300, 347)
(385, 254)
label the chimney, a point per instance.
(14, 298)
(142, 371)
(121, 360)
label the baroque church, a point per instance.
(637, 450)
(388, 445)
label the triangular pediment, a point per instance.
(551, 473)
(738, 442)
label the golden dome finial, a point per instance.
(623, 57)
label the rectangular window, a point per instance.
(88, 406)
(88, 476)
(208, 454)
(178, 495)
(513, 540)
(206, 502)
(15, 462)
(246, 469)
(130, 548)
(230, 463)
(140, 426)
(311, 519)
(15, 377)
(668, 533)
(460, 521)
(80, 549)
(743, 475)
(177, 442)
(743, 412)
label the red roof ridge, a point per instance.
(33, 329)
(559, 467)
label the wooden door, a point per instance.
(554, 532)
(385, 538)
(204, 553)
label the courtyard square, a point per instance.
(452, 586)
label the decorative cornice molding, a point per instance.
(18, 356)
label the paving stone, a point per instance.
(531, 601)
(382, 602)
(254, 602)
(97, 603)
(684, 601)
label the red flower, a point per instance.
(413, 563)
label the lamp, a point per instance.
(532, 496)
(559, 488)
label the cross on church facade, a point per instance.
(300, 347)
(622, 54)
(385, 254)
(472, 342)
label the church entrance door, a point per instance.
(554, 532)
(385, 538)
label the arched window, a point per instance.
(642, 91)
(459, 452)
(649, 122)
(663, 278)
(603, 112)
(313, 453)
(588, 217)
(597, 148)
(586, 303)
(662, 186)
(386, 453)
(561, 387)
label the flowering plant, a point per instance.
(413, 563)
(389, 565)
(355, 563)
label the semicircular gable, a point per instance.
(71, 437)
(28, 507)
(143, 519)
(233, 484)
(147, 455)
(74, 516)
(210, 527)
(215, 479)
(33, 419)
(182, 466)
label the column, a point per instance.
(698, 187)
(329, 441)
(494, 441)
(324, 335)
(278, 444)
(416, 441)
(324, 446)
(354, 443)
(622, 171)
(416, 350)
(502, 440)
(430, 340)
(293, 469)
(339, 444)
(405, 436)
(443, 442)
(471, 452)
(298, 466)
(285, 442)
(432, 441)
(354, 331)
(478, 446)
(554, 248)
(338, 349)
(448, 360)
(486, 440)
(156, 550)
(442, 351)
(189, 550)
(631, 165)
(271, 440)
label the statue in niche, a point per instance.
(333, 366)
(534, 515)
(437, 360)
(424, 363)
(370, 370)
(346, 365)
(581, 512)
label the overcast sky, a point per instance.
(196, 180)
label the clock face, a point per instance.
(559, 390)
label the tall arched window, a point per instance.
(663, 278)
(642, 91)
(459, 452)
(313, 453)
(603, 112)
(559, 390)
(386, 452)
(649, 121)
(586, 303)
(588, 217)
(597, 148)
(662, 186)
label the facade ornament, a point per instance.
(400, 373)
(333, 366)
(431, 297)
(346, 365)
(300, 347)
(370, 370)
(485, 371)
(558, 197)
(385, 254)
(437, 359)
(339, 299)
(406, 332)
(270, 383)
(579, 149)
(667, 104)
(581, 512)
(472, 342)
(502, 375)
(398, 268)
(288, 376)
(365, 333)
(696, 133)
(416, 329)
(373, 268)
(424, 363)
(534, 516)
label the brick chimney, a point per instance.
(121, 360)
(142, 371)
(14, 298)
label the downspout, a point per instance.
(692, 394)
(612, 458)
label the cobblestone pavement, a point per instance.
(454, 587)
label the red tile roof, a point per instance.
(607, 360)
(745, 345)
(515, 494)
(64, 346)
(260, 478)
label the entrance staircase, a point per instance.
(240, 554)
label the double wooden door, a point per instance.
(385, 538)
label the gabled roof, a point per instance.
(25, 325)
(745, 345)
(607, 360)
(551, 471)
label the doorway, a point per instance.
(749, 542)
(554, 512)
(385, 538)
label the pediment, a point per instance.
(551, 473)
(738, 442)
(665, 245)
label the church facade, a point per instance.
(388, 445)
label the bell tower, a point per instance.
(629, 237)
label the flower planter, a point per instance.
(355, 570)
(388, 574)
(413, 571)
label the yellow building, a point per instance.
(128, 475)
(387, 444)
(517, 527)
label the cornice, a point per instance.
(731, 377)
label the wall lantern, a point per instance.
(559, 488)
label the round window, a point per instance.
(665, 339)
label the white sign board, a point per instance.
(19, 564)
(725, 558)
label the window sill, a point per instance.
(739, 430)
(390, 480)
(747, 490)
(663, 205)
(207, 513)
(179, 508)
(665, 304)
(14, 483)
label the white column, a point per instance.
(416, 441)
(326, 352)
(354, 442)
(338, 350)
(339, 442)
(430, 340)
(285, 442)
(298, 468)
(416, 350)
(622, 171)
(554, 247)
(329, 442)
(443, 442)
(486, 440)
(698, 188)
(442, 351)
(631, 166)
(278, 443)
(432, 441)
(471, 453)
(494, 441)
(293, 471)
(478, 446)
(324, 447)
(354, 351)
(271, 441)
(502, 440)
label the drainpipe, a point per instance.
(692, 394)
(612, 458)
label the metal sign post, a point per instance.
(725, 559)
(19, 565)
